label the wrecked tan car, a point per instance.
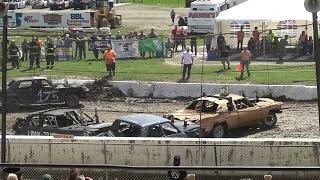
(219, 113)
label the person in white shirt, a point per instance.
(186, 61)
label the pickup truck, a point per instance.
(38, 91)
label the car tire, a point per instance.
(270, 121)
(72, 101)
(218, 131)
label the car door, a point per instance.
(24, 92)
(169, 130)
(248, 115)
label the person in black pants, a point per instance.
(34, 52)
(14, 54)
(193, 42)
(50, 55)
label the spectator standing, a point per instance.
(47, 177)
(24, 48)
(309, 46)
(141, 35)
(269, 40)
(76, 36)
(186, 61)
(169, 48)
(82, 46)
(221, 42)
(282, 47)
(251, 45)
(73, 174)
(240, 37)
(152, 34)
(225, 57)
(14, 54)
(302, 42)
(275, 46)
(93, 46)
(67, 47)
(12, 176)
(118, 36)
(193, 42)
(173, 16)
(129, 35)
(34, 52)
(174, 174)
(245, 61)
(59, 46)
(208, 41)
(256, 35)
(110, 59)
(50, 54)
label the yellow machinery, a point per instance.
(105, 16)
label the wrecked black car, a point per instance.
(59, 121)
(37, 91)
(146, 125)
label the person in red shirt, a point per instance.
(240, 37)
(110, 59)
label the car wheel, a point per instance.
(72, 101)
(270, 120)
(218, 131)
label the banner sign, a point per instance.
(127, 48)
(82, 19)
(153, 46)
(101, 45)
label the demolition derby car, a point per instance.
(219, 113)
(33, 91)
(59, 121)
(146, 125)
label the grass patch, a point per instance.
(168, 3)
(157, 70)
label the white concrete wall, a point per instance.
(158, 152)
(173, 90)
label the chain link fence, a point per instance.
(33, 172)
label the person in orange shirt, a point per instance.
(110, 59)
(240, 37)
(245, 61)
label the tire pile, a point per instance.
(102, 90)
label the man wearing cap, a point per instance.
(186, 61)
(110, 59)
(34, 52)
(175, 174)
(14, 54)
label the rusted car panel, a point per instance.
(229, 112)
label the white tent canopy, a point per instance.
(267, 10)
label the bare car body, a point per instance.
(219, 113)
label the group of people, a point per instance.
(74, 174)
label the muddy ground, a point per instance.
(298, 120)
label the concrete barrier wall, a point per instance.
(158, 152)
(173, 90)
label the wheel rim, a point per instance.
(218, 131)
(270, 119)
(72, 101)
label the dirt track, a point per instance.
(298, 120)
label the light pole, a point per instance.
(3, 14)
(313, 6)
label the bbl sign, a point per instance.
(76, 16)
